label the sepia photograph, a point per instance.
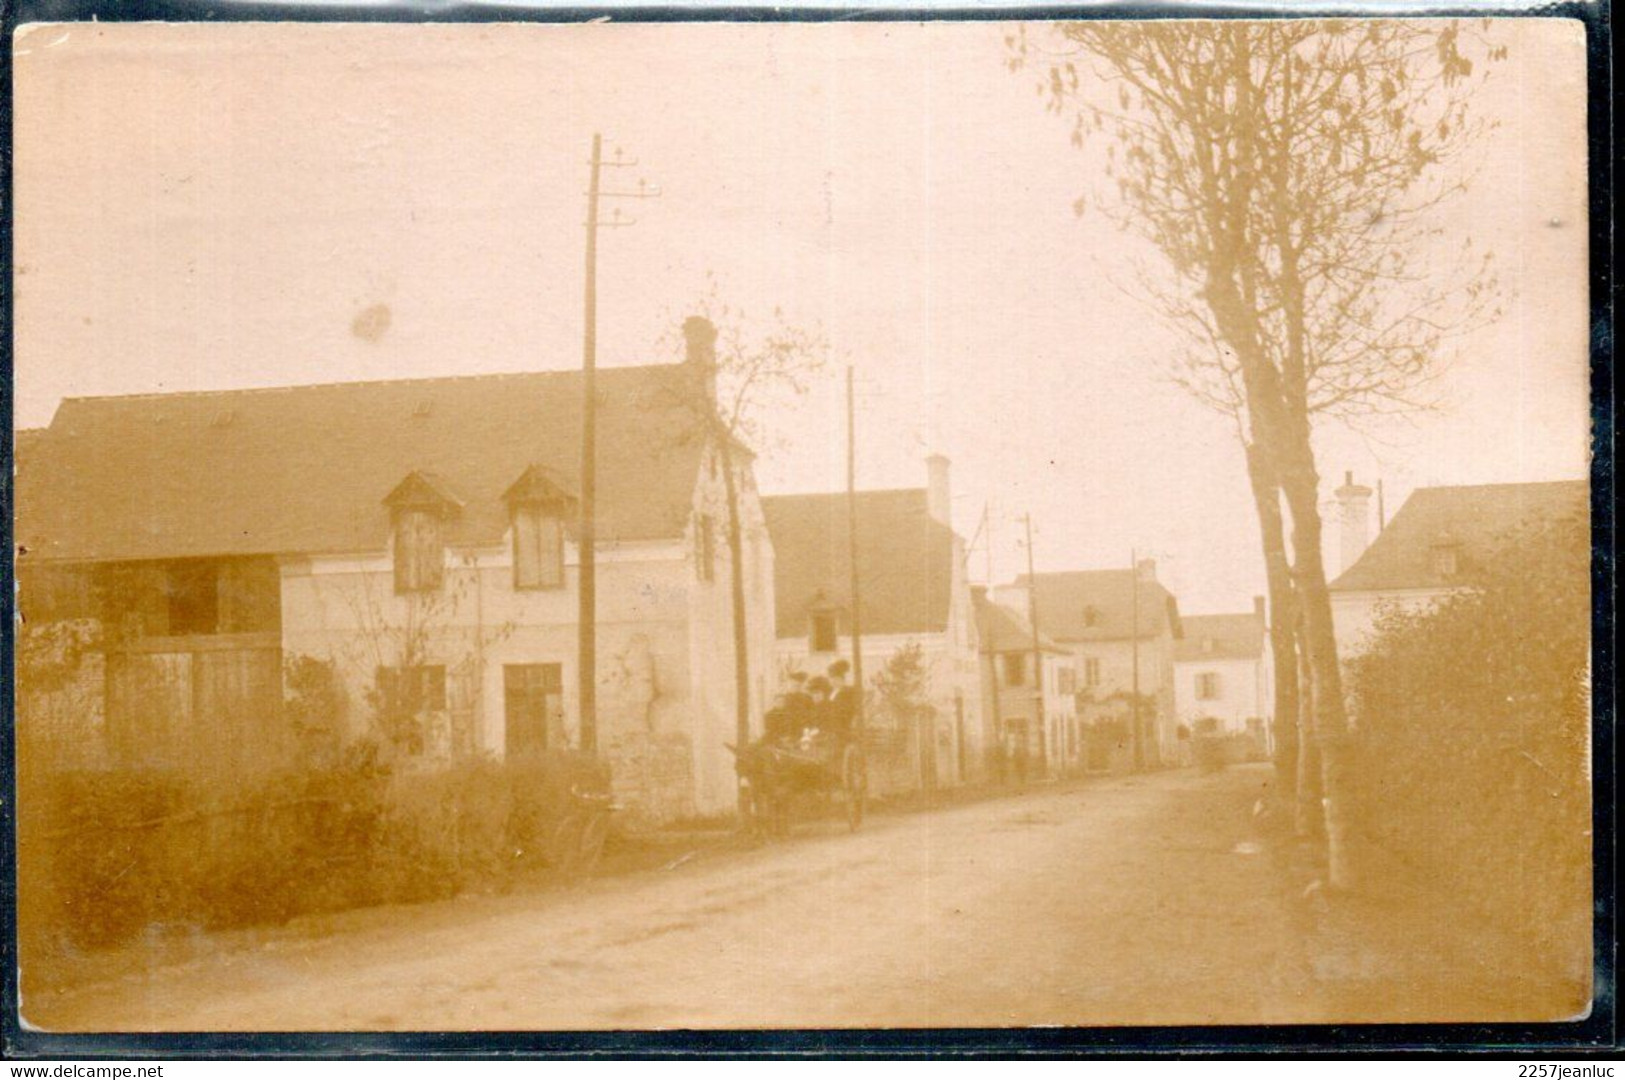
(774, 526)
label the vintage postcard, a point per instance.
(792, 525)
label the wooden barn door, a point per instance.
(202, 704)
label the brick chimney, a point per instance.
(700, 352)
(938, 495)
(1258, 608)
(1146, 571)
(1354, 511)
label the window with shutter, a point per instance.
(538, 549)
(412, 689)
(824, 633)
(1207, 686)
(420, 551)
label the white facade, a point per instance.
(1355, 615)
(952, 683)
(1231, 691)
(665, 664)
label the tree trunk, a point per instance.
(1307, 821)
(1283, 620)
(736, 560)
(1319, 643)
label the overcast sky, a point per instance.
(212, 206)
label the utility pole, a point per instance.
(1038, 655)
(587, 656)
(984, 531)
(987, 539)
(1134, 646)
(852, 549)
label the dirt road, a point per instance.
(1119, 901)
(1145, 900)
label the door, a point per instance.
(533, 704)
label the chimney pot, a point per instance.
(1354, 502)
(1258, 607)
(700, 351)
(938, 494)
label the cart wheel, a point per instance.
(591, 848)
(855, 779)
(750, 811)
(566, 845)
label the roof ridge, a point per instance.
(347, 383)
(1504, 484)
(842, 494)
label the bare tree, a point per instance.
(753, 365)
(1287, 173)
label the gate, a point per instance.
(211, 701)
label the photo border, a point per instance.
(1595, 1032)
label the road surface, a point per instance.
(1138, 900)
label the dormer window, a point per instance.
(538, 548)
(1446, 559)
(824, 626)
(419, 508)
(420, 551)
(537, 507)
(824, 634)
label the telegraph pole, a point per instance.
(587, 658)
(1038, 655)
(985, 531)
(852, 546)
(1134, 645)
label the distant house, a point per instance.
(418, 540)
(1222, 673)
(1014, 687)
(1434, 545)
(1120, 626)
(915, 600)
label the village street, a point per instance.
(1111, 901)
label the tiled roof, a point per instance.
(306, 469)
(1003, 629)
(1101, 605)
(1473, 520)
(1221, 637)
(904, 555)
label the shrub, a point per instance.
(1472, 723)
(105, 856)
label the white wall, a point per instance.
(1355, 614)
(1244, 692)
(665, 663)
(1117, 664)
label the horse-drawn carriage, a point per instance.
(774, 774)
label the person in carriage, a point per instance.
(798, 706)
(841, 711)
(818, 716)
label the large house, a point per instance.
(1222, 675)
(1120, 626)
(1433, 546)
(916, 621)
(414, 544)
(1023, 671)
